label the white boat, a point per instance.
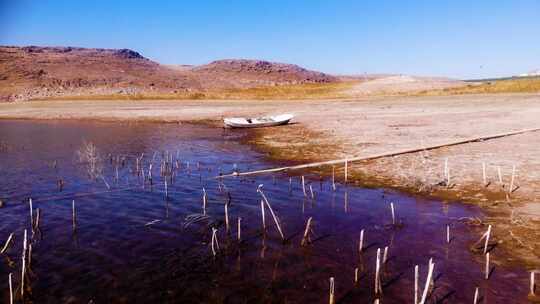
(267, 121)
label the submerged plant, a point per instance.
(89, 157)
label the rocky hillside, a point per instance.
(43, 72)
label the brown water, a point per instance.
(132, 244)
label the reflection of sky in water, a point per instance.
(115, 256)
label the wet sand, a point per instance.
(331, 129)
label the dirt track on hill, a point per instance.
(327, 129)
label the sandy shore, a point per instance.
(331, 129)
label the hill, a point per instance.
(34, 72)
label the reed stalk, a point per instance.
(239, 236)
(361, 243)
(476, 295)
(428, 282)
(346, 170)
(305, 239)
(416, 275)
(276, 220)
(263, 216)
(311, 191)
(356, 275)
(73, 216)
(214, 243)
(23, 259)
(227, 216)
(10, 279)
(487, 267)
(204, 200)
(7, 243)
(31, 214)
(532, 284)
(331, 299)
(385, 255)
(448, 234)
(333, 178)
(304, 186)
(378, 288)
(393, 214)
(487, 234)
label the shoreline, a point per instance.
(384, 122)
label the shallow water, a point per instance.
(132, 244)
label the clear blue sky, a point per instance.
(463, 39)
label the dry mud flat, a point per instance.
(333, 129)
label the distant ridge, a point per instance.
(43, 72)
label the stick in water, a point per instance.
(227, 216)
(331, 296)
(416, 284)
(239, 229)
(6, 245)
(448, 234)
(428, 283)
(276, 220)
(305, 239)
(333, 178)
(476, 295)
(204, 201)
(304, 186)
(385, 255)
(263, 216)
(378, 288)
(393, 214)
(73, 218)
(356, 275)
(533, 286)
(361, 243)
(346, 170)
(488, 233)
(10, 288)
(487, 266)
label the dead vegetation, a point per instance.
(514, 85)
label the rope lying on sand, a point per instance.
(376, 156)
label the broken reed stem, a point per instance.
(73, 217)
(239, 229)
(23, 258)
(204, 201)
(215, 244)
(416, 284)
(311, 191)
(166, 189)
(227, 216)
(393, 214)
(276, 220)
(532, 285)
(487, 266)
(346, 170)
(484, 177)
(476, 295)
(38, 216)
(331, 292)
(263, 216)
(488, 234)
(356, 275)
(31, 214)
(306, 232)
(10, 278)
(385, 255)
(448, 234)
(428, 282)
(334, 178)
(304, 186)
(361, 243)
(6, 244)
(378, 288)
(512, 179)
